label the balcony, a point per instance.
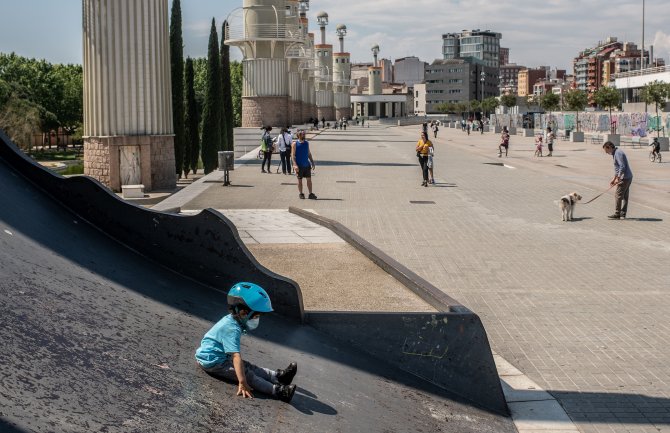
(242, 30)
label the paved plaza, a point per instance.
(580, 307)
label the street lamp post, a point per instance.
(482, 79)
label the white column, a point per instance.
(127, 83)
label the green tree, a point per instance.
(550, 102)
(58, 89)
(474, 106)
(236, 75)
(576, 100)
(656, 92)
(192, 123)
(228, 115)
(177, 69)
(20, 117)
(608, 98)
(211, 122)
(490, 104)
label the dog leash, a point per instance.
(593, 199)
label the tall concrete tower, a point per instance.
(375, 75)
(342, 77)
(128, 132)
(324, 72)
(294, 57)
(263, 30)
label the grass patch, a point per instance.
(73, 169)
(62, 155)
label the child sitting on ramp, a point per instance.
(219, 351)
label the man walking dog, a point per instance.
(623, 177)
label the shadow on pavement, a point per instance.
(593, 407)
(6, 427)
(365, 164)
(649, 220)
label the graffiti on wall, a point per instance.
(631, 124)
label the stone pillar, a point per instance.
(374, 80)
(128, 131)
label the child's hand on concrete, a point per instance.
(244, 390)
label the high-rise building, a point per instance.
(504, 56)
(387, 70)
(594, 67)
(458, 80)
(481, 45)
(509, 78)
(409, 70)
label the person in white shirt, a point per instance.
(284, 144)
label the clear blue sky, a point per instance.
(548, 34)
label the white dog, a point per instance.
(567, 205)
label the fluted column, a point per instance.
(127, 93)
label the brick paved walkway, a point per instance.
(582, 308)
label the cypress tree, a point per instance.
(228, 115)
(211, 123)
(177, 69)
(192, 148)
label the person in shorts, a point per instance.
(303, 164)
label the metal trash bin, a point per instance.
(227, 160)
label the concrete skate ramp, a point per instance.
(99, 337)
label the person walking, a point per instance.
(423, 152)
(266, 148)
(303, 164)
(551, 136)
(504, 142)
(284, 144)
(435, 129)
(623, 177)
(481, 127)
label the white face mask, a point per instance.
(253, 323)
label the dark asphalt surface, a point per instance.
(97, 338)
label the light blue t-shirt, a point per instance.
(219, 342)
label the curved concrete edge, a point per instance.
(426, 291)
(205, 247)
(450, 350)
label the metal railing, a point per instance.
(239, 28)
(264, 32)
(641, 72)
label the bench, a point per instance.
(132, 191)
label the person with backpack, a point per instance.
(219, 354)
(284, 144)
(266, 148)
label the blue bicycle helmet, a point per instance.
(250, 295)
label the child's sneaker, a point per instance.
(285, 377)
(285, 392)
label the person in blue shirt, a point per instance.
(219, 351)
(623, 177)
(303, 163)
